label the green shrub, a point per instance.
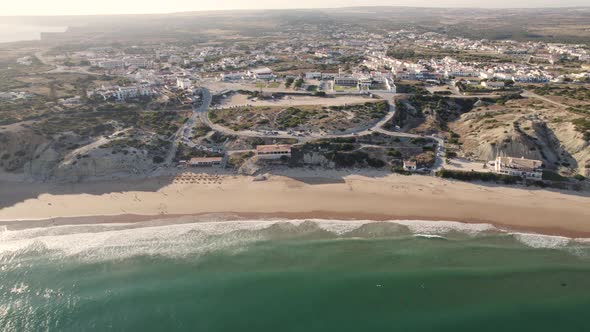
(450, 154)
(477, 176)
(552, 176)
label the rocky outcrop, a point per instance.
(317, 159)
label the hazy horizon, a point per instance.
(113, 7)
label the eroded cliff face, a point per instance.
(573, 143)
(536, 133)
(102, 164)
(68, 157)
(19, 147)
(317, 159)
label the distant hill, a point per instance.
(553, 24)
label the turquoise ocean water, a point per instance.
(284, 275)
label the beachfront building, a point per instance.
(410, 166)
(205, 161)
(273, 152)
(526, 168)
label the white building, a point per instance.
(273, 152)
(111, 64)
(139, 62)
(313, 75)
(329, 76)
(486, 75)
(140, 90)
(410, 166)
(262, 74)
(228, 77)
(346, 80)
(527, 168)
(183, 83)
(492, 84)
(205, 162)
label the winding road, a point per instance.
(203, 113)
(185, 131)
(530, 94)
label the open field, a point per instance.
(301, 117)
(238, 99)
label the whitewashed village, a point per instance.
(343, 99)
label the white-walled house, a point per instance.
(273, 152)
(493, 84)
(410, 166)
(527, 168)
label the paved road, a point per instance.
(530, 94)
(377, 127)
(185, 131)
(308, 137)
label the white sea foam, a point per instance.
(430, 236)
(339, 227)
(445, 227)
(111, 241)
(19, 288)
(542, 241)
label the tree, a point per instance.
(289, 82)
(299, 83)
(400, 53)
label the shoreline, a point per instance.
(163, 220)
(298, 195)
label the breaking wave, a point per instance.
(191, 237)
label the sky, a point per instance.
(96, 7)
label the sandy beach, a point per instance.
(328, 195)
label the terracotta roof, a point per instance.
(521, 163)
(409, 163)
